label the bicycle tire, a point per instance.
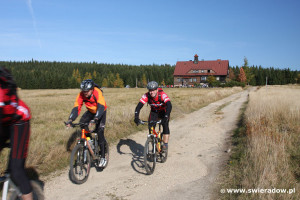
(80, 168)
(37, 192)
(149, 156)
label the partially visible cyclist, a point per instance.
(91, 95)
(14, 120)
(161, 108)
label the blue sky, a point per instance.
(135, 32)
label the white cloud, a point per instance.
(29, 4)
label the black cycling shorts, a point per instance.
(155, 116)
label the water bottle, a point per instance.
(90, 141)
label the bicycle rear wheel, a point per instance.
(149, 156)
(80, 164)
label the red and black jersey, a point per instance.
(13, 108)
(158, 103)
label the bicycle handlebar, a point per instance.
(149, 122)
(78, 124)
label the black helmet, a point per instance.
(152, 85)
(87, 84)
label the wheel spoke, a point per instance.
(79, 164)
(149, 156)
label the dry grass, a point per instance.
(272, 155)
(51, 142)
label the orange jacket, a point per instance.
(95, 104)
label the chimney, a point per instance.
(196, 59)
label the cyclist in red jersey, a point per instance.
(96, 106)
(15, 126)
(161, 108)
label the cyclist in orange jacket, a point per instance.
(96, 106)
(15, 126)
(161, 108)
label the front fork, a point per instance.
(9, 186)
(156, 139)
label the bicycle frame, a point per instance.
(156, 135)
(10, 187)
(84, 139)
(8, 183)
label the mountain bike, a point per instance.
(12, 192)
(85, 153)
(152, 149)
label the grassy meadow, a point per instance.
(267, 146)
(51, 143)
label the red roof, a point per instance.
(220, 67)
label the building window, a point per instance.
(190, 80)
(203, 78)
(202, 71)
(195, 71)
(178, 79)
(194, 79)
(217, 78)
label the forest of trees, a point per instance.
(257, 75)
(62, 75)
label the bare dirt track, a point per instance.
(196, 154)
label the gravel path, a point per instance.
(196, 154)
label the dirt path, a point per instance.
(196, 153)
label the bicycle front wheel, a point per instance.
(80, 164)
(149, 156)
(37, 192)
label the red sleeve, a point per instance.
(1, 97)
(23, 111)
(165, 97)
(144, 98)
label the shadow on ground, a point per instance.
(137, 152)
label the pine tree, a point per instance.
(76, 75)
(144, 80)
(110, 79)
(211, 80)
(231, 75)
(87, 75)
(104, 83)
(242, 76)
(118, 82)
(247, 70)
(298, 78)
(94, 75)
